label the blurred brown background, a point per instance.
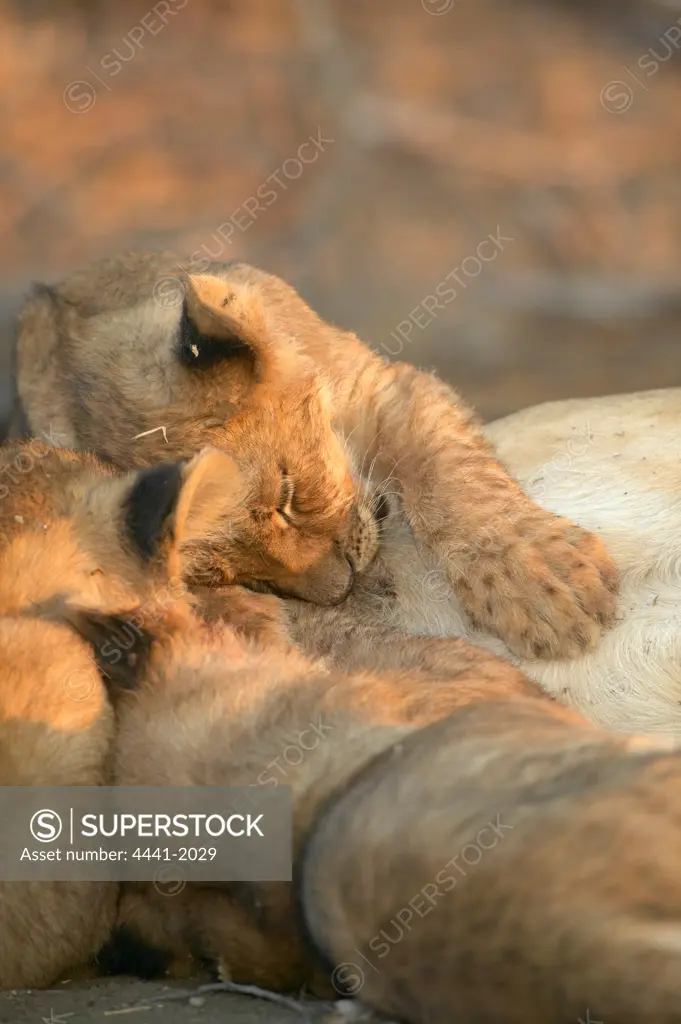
(553, 127)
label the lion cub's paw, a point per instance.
(547, 588)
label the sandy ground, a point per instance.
(123, 1001)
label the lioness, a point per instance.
(106, 362)
(612, 463)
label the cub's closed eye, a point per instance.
(285, 506)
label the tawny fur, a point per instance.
(504, 868)
(99, 367)
(64, 538)
(402, 778)
(56, 728)
(213, 710)
(386, 789)
(68, 558)
(56, 723)
(289, 453)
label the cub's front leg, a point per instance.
(542, 584)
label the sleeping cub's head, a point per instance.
(305, 529)
(139, 382)
(72, 526)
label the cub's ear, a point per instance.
(175, 504)
(150, 504)
(222, 321)
(213, 500)
(215, 326)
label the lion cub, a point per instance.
(463, 847)
(307, 528)
(70, 529)
(106, 362)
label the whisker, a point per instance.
(373, 463)
(384, 494)
(364, 458)
(346, 437)
(388, 480)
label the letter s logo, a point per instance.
(46, 826)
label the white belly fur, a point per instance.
(612, 465)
